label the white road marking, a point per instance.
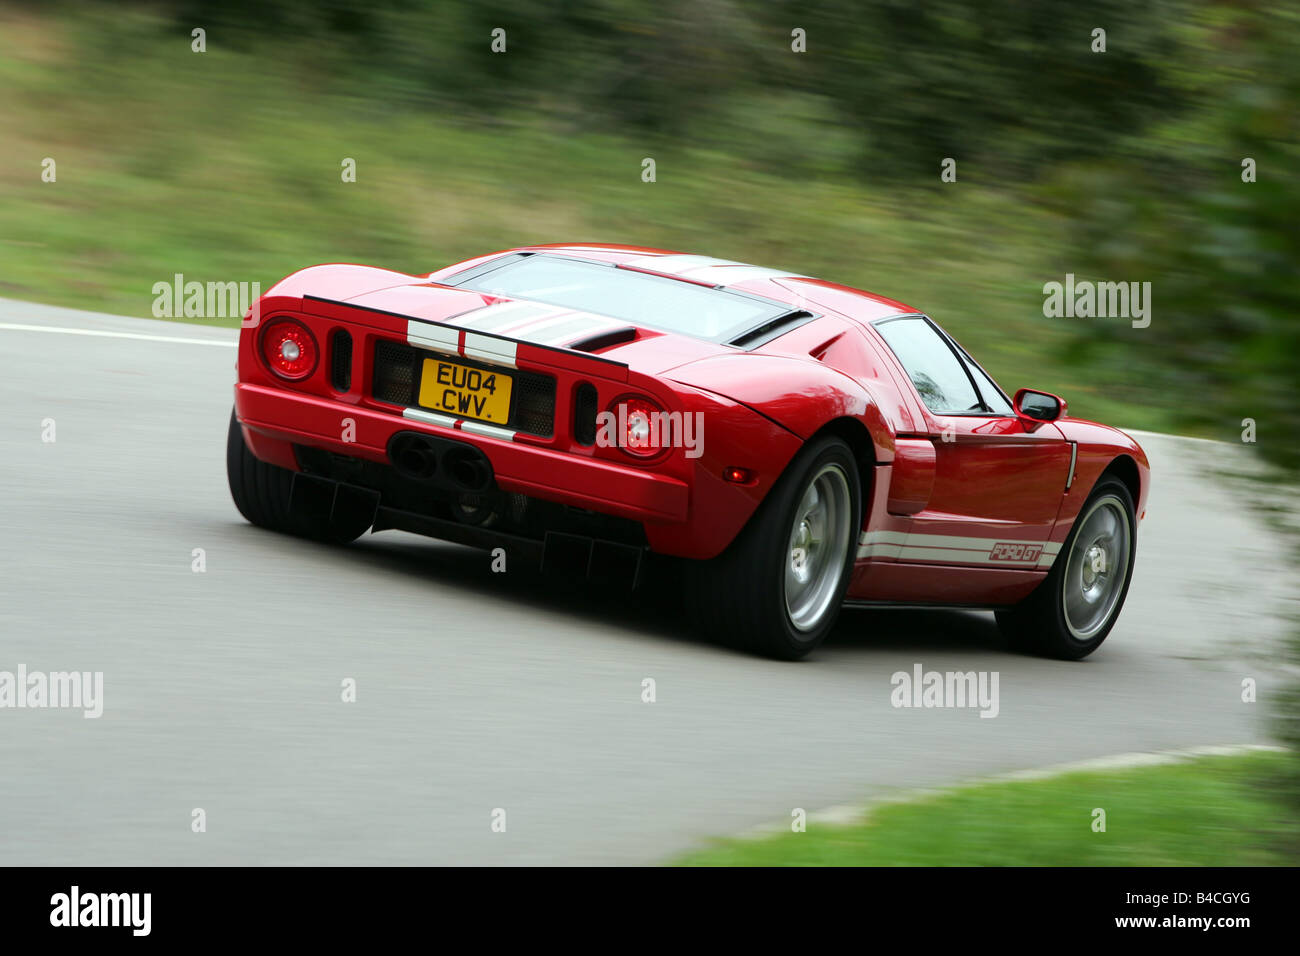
(18, 327)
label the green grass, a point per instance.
(1213, 811)
(225, 166)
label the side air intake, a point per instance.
(341, 360)
(584, 414)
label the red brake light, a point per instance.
(289, 349)
(640, 427)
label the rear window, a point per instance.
(655, 302)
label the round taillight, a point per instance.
(289, 349)
(642, 432)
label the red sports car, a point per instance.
(802, 444)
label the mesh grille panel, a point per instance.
(534, 404)
(395, 372)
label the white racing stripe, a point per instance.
(676, 264)
(731, 275)
(535, 323)
(436, 337)
(568, 327)
(18, 327)
(576, 330)
(491, 431)
(958, 549)
(950, 541)
(494, 351)
(539, 323)
(493, 318)
(446, 421)
(722, 272)
(429, 418)
(483, 348)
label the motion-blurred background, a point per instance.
(1117, 166)
(1125, 165)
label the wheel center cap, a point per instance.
(1094, 564)
(799, 550)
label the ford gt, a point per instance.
(796, 444)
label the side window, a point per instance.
(989, 390)
(938, 375)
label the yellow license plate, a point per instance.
(465, 392)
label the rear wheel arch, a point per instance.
(263, 493)
(801, 528)
(855, 434)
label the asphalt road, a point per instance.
(477, 690)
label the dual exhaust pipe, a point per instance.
(441, 462)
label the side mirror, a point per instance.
(1039, 406)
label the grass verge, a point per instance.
(1209, 811)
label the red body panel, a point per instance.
(958, 509)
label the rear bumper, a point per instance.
(275, 419)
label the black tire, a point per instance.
(1040, 624)
(261, 493)
(741, 596)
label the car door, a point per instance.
(983, 486)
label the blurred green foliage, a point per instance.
(225, 166)
(1222, 254)
(1115, 166)
(1011, 88)
(1137, 150)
